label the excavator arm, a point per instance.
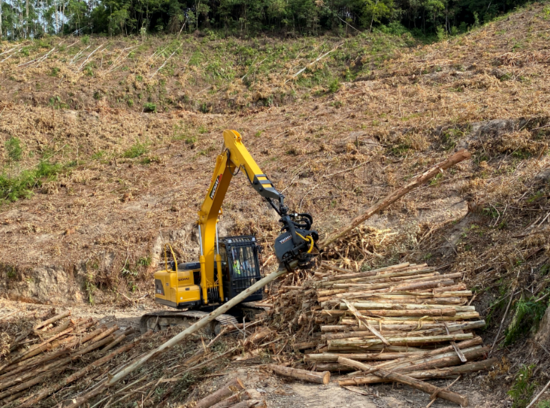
(293, 247)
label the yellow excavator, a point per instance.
(228, 265)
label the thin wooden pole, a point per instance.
(386, 202)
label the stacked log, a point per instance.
(406, 318)
(39, 356)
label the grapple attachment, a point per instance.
(296, 247)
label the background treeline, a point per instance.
(34, 18)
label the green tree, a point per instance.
(377, 10)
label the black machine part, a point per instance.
(293, 247)
(240, 265)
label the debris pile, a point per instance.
(404, 323)
(52, 346)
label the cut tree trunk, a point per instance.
(231, 388)
(79, 374)
(346, 343)
(250, 404)
(448, 361)
(50, 321)
(350, 274)
(304, 375)
(249, 394)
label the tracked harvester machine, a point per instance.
(228, 265)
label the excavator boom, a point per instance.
(293, 248)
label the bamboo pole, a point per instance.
(386, 202)
(420, 385)
(179, 337)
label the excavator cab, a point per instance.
(240, 266)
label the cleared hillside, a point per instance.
(107, 183)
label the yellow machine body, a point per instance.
(175, 287)
(226, 167)
(172, 288)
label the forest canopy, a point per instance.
(35, 18)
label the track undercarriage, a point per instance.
(163, 319)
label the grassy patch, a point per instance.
(528, 314)
(149, 107)
(138, 149)
(13, 188)
(524, 387)
(13, 149)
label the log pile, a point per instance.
(38, 357)
(406, 319)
